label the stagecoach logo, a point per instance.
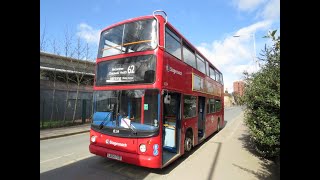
(174, 71)
(108, 141)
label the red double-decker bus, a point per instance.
(155, 95)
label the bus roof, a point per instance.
(127, 21)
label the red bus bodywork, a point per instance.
(128, 148)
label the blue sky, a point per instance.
(208, 24)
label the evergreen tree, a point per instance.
(262, 101)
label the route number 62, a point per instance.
(131, 69)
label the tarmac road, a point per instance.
(222, 156)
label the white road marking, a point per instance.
(55, 158)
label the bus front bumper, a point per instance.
(136, 159)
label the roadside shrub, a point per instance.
(262, 101)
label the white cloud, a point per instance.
(87, 33)
(247, 5)
(265, 9)
(262, 25)
(234, 55)
(234, 72)
(271, 10)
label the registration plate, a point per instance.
(113, 156)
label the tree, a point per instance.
(76, 67)
(262, 99)
(79, 67)
(68, 38)
(80, 52)
(55, 47)
(43, 39)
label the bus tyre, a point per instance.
(188, 142)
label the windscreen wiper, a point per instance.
(103, 122)
(131, 127)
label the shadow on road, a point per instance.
(173, 165)
(213, 166)
(225, 123)
(97, 167)
(270, 167)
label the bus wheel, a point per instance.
(188, 142)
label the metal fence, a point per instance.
(57, 108)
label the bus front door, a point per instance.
(171, 125)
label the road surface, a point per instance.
(69, 158)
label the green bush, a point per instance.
(262, 101)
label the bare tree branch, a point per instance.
(68, 52)
(43, 39)
(80, 50)
(55, 47)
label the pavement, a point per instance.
(64, 131)
(228, 155)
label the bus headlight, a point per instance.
(93, 138)
(143, 148)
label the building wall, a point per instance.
(238, 87)
(61, 62)
(59, 105)
(57, 97)
(47, 84)
(57, 102)
(228, 100)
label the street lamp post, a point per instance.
(254, 46)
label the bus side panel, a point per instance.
(209, 124)
(176, 74)
(222, 110)
(190, 123)
(183, 135)
(217, 116)
(215, 122)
